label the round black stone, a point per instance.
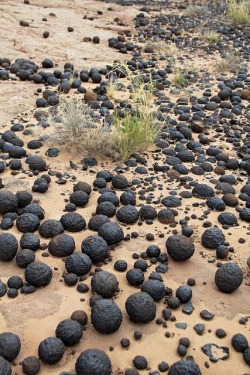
(104, 283)
(184, 293)
(27, 223)
(31, 365)
(38, 274)
(78, 263)
(140, 307)
(179, 247)
(51, 350)
(212, 238)
(96, 248)
(10, 346)
(93, 361)
(228, 277)
(106, 316)
(135, 277)
(30, 241)
(50, 228)
(128, 214)
(8, 201)
(184, 367)
(154, 288)
(239, 342)
(111, 232)
(8, 246)
(69, 331)
(61, 245)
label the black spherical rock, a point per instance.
(38, 274)
(246, 356)
(73, 222)
(61, 245)
(128, 214)
(135, 277)
(96, 248)
(212, 238)
(112, 233)
(239, 342)
(179, 247)
(120, 182)
(140, 307)
(184, 293)
(51, 350)
(10, 346)
(50, 228)
(8, 201)
(154, 288)
(27, 223)
(202, 191)
(31, 365)
(78, 263)
(106, 316)
(96, 221)
(184, 367)
(30, 241)
(79, 198)
(228, 277)
(104, 283)
(24, 258)
(93, 362)
(8, 246)
(69, 331)
(5, 368)
(106, 208)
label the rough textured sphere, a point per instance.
(8, 202)
(202, 191)
(128, 214)
(212, 238)
(27, 223)
(104, 283)
(5, 368)
(73, 222)
(51, 350)
(31, 365)
(50, 228)
(69, 331)
(239, 342)
(228, 277)
(38, 274)
(140, 307)
(61, 245)
(112, 233)
(10, 346)
(78, 263)
(154, 288)
(96, 248)
(179, 247)
(184, 367)
(106, 316)
(8, 246)
(93, 362)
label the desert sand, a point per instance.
(35, 316)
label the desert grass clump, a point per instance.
(197, 10)
(135, 132)
(230, 61)
(239, 11)
(210, 36)
(77, 132)
(179, 79)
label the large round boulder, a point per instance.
(93, 362)
(140, 307)
(180, 247)
(106, 316)
(228, 277)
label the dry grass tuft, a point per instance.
(230, 61)
(239, 11)
(78, 132)
(197, 10)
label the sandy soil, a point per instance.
(34, 317)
